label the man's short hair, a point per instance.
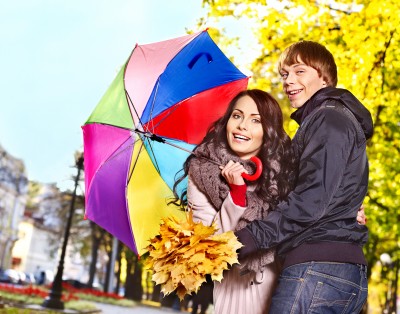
(314, 55)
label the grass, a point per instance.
(18, 303)
(22, 311)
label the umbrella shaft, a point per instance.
(157, 138)
(191, 152)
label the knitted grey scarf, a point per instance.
(209, 180)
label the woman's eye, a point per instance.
(236, 116)
(284, 75)
(256, 121)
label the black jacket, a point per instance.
(333, 177)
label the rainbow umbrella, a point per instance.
(156, 110)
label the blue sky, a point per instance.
(57, 60)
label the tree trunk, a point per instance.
(129, 281)
(108, 272)
(156, 295)
(133, 284)
(149, 285)
(118, 273)
(96, 241)
(137, 282)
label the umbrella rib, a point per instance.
(134, 166)
(131, 103)
(155, 160)
(154, 100)
(165, 117)
(138, 154)
(152, 106)
(120, 152)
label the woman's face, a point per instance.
(244, 130)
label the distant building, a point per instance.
(33, 252)
(41, 234)
(31, 227)
(13, 198)
(39, 231)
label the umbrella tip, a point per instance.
(206, 29)
(84, 217)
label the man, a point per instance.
(316, 230)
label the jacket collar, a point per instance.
(300, 114)
(361, 113)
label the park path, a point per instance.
(137, 309)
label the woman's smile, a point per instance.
(244, 129)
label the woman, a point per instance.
(251, 126)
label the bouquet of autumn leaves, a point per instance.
(185, 252)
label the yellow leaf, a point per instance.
(167, 245)
(160, 278)
(192, 283)
(184, 252)
(217, 276)
(181, 292)
(168, 287)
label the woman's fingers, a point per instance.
(232, 172)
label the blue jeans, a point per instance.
(321, 287)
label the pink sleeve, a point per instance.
(225, 217)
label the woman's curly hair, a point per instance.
(276, 181)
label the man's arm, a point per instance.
(327, 145)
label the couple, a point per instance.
(298, 223)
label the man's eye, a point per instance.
(284, 75)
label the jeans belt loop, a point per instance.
(362, 267)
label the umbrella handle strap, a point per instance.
(197, 57)
(257, 173)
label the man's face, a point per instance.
(300, 82)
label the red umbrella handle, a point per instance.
(255, 175)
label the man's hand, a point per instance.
(361, 218)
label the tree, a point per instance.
(364, 38)
(119, 265)
(97, 235)
(133, 283)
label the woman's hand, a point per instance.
(361, 218)
(232, 172)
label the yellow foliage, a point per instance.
(185, 252)
(364, 37)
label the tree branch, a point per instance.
(378, 204)
(379, 62)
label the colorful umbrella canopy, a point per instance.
(169, 91)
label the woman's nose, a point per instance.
(243, 124)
